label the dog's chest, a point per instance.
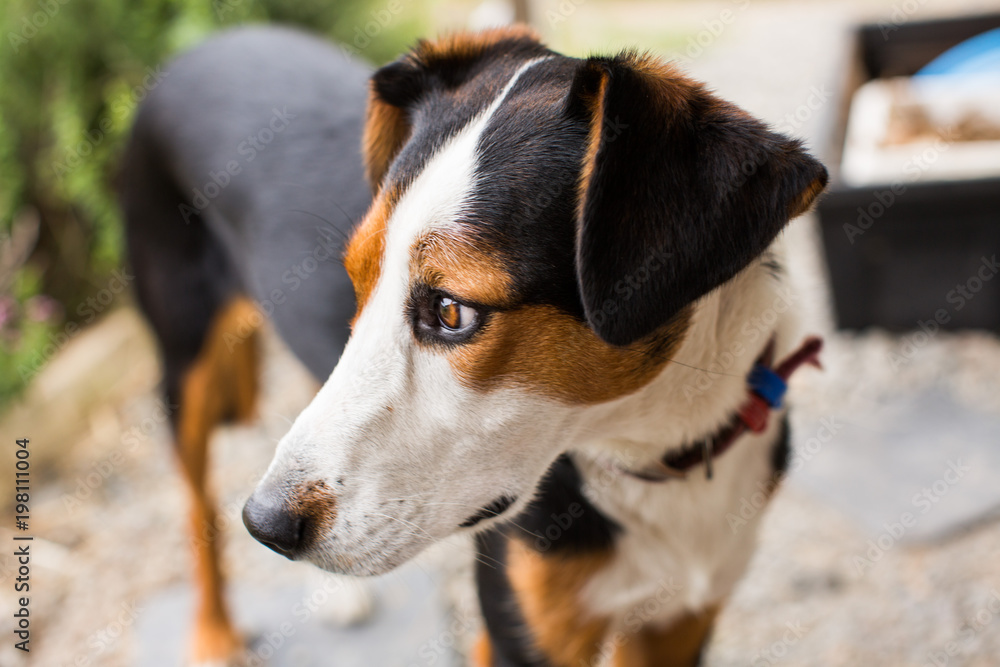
(683, 543)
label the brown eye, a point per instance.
(440, 318)
(453, 315)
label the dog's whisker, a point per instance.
(331, 227)
(521, 528)
(479, 558)
(704, 370)
(279, 415)
(405, 523)
(434, 503)
(349, 218)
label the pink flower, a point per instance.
(42, 308)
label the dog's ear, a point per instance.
(444, 64)
(387, 125)
(679, 191)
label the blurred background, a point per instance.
(897, 267)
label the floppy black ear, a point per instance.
(387, 123)
(444, 63)
(679, 191)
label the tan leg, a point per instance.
(678, 645)
(482, 652)
(548, 589)
(221, 384)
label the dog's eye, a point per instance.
(441, 318)
(454, 316)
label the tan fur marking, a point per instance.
(482, 651)
(547, 590)
(806, 199)
(678, 645)
(542, 348)
(596, 106)
(316, 502)
(469, 45)
(386, 130)
(387, 127)
(363, 256)
(675, 85)
(456, 265)
(221, 384)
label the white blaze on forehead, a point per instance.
(434, 199)
(371, 370)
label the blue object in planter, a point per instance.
(977, 55)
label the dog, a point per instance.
(561, 325)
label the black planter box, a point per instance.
(903, 254)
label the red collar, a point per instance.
(767, 386)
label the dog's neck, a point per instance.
(674, 532)
(698, 392)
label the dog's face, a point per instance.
(541, 230)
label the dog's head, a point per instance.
(541, 229)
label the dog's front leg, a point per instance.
(679, 644)
(219, 385)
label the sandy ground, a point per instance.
(110, 533)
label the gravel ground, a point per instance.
(104, 557)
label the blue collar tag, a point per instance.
(768, 385)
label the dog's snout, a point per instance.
(273, 524)
(289, 519)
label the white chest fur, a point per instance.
(679, 550)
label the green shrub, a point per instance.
(71, 75)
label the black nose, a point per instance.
(272, 524)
